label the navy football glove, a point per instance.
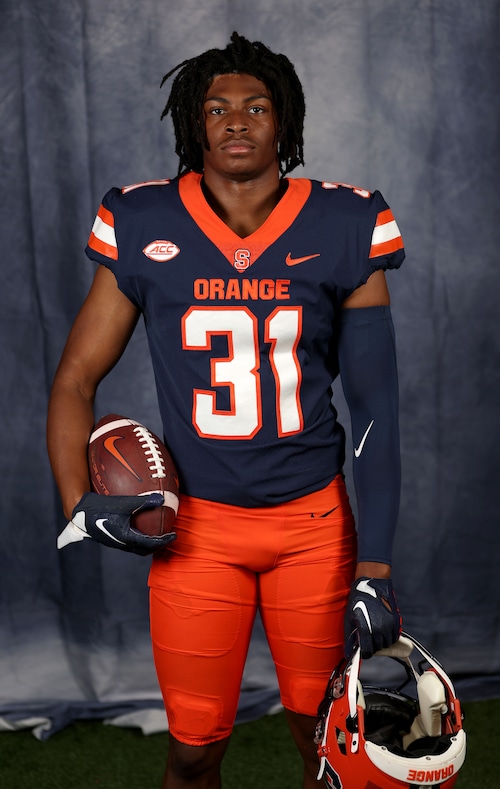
(107, 520)
(372, 617)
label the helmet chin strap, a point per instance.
(352, 696)
(401, 650)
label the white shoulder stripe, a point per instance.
(104, 232)
(387, 232)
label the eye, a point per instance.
(256, 110)
(216, 111)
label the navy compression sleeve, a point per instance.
(367, 361)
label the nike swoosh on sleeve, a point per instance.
(358, 450)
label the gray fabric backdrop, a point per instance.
(401, 96)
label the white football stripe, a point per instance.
(170, 500)
(387, 232)
(110, 426)
(104, 232)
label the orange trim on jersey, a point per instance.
(392, 241)
(384, 217)
(386, 248)
(225, 239)
(105, 249)
(104, 217)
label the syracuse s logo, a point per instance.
(242, 259)
(161, 251)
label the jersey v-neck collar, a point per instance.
(225, 239)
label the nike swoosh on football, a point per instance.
(290, 261)
(358, 450)
(100, 525)
(109, 444)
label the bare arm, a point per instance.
(98, 338)
(374, 293)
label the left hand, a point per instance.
(372, 615)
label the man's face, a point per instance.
(241, 126)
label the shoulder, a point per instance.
(140, 196)
(145, 184)
(348, 198)
(119, 211)
(359, 213)
(363, 212)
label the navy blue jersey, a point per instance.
(242, 331)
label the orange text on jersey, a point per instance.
(236, 289)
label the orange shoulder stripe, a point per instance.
(102, 237)
(386, 248)
(386, 237)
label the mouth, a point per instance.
(237, 146)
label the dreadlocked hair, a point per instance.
(189, 87)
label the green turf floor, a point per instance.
(90, 755)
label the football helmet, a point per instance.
(371, 737)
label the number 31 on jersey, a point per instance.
(239, 371)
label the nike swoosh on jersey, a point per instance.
(290, 261)
(100, 525)
(358, 450)
(109, 444)
(362, 607)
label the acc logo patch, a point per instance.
(161, 251)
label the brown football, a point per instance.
(127, 459)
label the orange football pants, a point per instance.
(293, 562)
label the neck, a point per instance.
(244, 205)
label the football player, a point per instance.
(257, 290)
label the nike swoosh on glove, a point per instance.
(107, 520)
(372, 616)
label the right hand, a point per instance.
(106, 519)
(372, 616)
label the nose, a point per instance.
(237, 122)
